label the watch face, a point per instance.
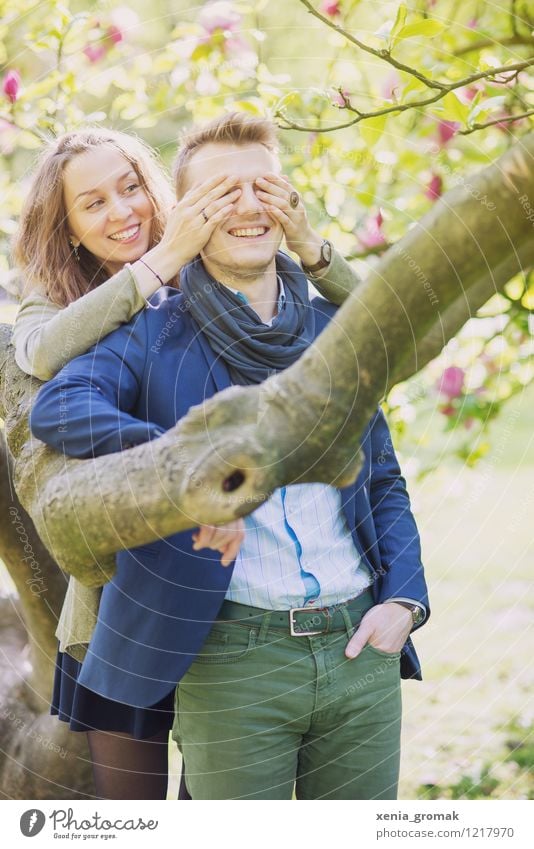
(327, 252)
(417, 616)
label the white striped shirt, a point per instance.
(298, 550)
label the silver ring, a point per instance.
(294, 199)
(206, 219)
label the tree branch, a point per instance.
(403, 107)
(301, 425)
(502, 120)
(385, 55)
(380, 54)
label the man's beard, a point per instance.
(248, 274)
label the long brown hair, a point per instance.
(41, 247)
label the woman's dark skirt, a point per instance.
(87, 711)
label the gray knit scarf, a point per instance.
(251, 350)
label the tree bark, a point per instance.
(222, 460)
(39, 757)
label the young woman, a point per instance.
(97, 237)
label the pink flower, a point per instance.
(446, 130)
(331, 8)
(11, 85)
(371, 235)
(125, 20)
(388, 89)
(451, 382)
(469, 93)
(95, 52)
(340, 98)
(434, 188)
(242, 54)
(473, 23)
(219, 15)
(114, 33)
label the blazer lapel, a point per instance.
(347, 500)
(217, 367)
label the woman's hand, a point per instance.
(224, 538)
(191, 223)
(274, 192)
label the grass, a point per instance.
(468, 726)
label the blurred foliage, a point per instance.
(492, 780)
(366, 180)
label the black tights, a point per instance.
(127, 768)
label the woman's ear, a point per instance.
(74, 241)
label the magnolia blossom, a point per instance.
(11, 85)
(451, 382)
(389, 86)
(240, 53)
(446, 130)
(331, 8)
(207, 84)
(340, 98)
(124, 19)
(371, 235)
(114, 33)
(95, 52)
(219, 15)
(434, 188)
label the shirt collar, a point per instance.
(279, 303)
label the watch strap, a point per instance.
(326, 258)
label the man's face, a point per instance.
(243, 246)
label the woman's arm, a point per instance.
(337, 281)
(46, 336)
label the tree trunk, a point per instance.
(40, 757)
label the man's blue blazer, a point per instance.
(157, 611)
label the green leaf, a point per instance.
(372, 128)
(413, 87)
(399, 23)
(424, 28)
(452, 109)
(487, 105)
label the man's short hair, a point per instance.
(234, 128)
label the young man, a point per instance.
(298, 679)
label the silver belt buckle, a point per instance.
(293, 624)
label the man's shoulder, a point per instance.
(165, 301)
(323, 306)
(324, 310)
(166, 308)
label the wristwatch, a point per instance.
(416, 611)
(326, 258)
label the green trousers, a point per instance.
(261, 714)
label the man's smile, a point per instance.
(248, 232)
